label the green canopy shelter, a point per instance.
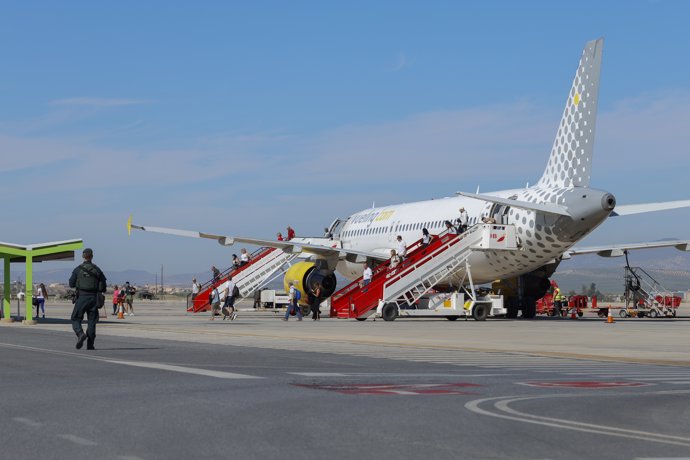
(30, 254)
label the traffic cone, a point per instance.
(120, 313)
(609, 318)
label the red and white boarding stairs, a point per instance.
(394, 290)
(263, 263)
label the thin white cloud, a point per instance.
(97, 102)
(400, 63)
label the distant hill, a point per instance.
(136, 277)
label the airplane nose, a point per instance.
(608, 202)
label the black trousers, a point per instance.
(315, 312)
(85, 304)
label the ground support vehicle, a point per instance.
(270, 298)
(449, 305)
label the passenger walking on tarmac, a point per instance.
(395, 259)
(462, 221)
(244, 257)
(231, 293)
(293, 296)
(279, 236)
(116, 298)
(235, 262)
(290, 233)
(214, 300)
(41, 296)
(129, 298)
(401, 247)
(196, 288)
(88, 280)
(316, 303)
(215, 273)
(426, 238)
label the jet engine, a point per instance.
(306, 275)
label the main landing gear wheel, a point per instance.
(480, 312)
(529, 309)
(389, 312)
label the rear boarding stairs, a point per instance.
(392, 291)
(646, 296)
(249, 277)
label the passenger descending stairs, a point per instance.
(262, 264)
(424, 268)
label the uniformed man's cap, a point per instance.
(88, 252)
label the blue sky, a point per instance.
(243, 117)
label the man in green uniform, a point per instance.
(88, 280)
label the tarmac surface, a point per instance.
(167, 384)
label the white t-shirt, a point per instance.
(231, 286)
(463, 218)
(195, 288)
(215, 297)
(291, 294)
(367, 274)
(39, 293)
(244, 257)
(402, 248)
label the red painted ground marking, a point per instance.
(395, 389)
(581, 384)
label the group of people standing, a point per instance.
(123, 298)
(290, 234)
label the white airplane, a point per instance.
(549, 217)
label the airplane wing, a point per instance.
(629, 209)
(618, 250)
(547, 208)
(318, 246)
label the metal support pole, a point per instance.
(7, 314)
(28, 304)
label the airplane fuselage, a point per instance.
(543, 237)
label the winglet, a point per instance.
(129, 226)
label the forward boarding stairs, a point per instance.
(642, 292)
(423, 268)
(263, 263)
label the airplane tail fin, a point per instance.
(570, 163)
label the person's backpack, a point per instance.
(298, 295)
(235, 291)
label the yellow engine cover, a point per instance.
(298, 273)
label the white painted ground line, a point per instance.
(184, 370)
(77, 440)
(28, 422)
(383, 374)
